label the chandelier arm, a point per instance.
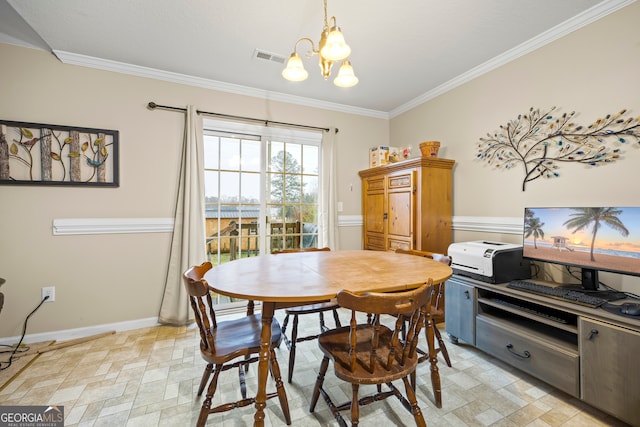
(331, 21)
(314, 51)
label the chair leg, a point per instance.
(415, 409)
(441, 345)
(243, 382)
(319, 381)
(205, 377)
(282, 395)
(206, 405)
(284, 331)
(323, 327)
(355, 408)
(336, 318)
(292, 348)
(433, 360)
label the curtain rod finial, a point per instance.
(152, 105)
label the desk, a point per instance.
(292, 279)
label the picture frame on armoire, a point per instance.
(45, 154)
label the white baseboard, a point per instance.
(69, 334)
(129, 325)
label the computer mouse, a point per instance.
(630, 308)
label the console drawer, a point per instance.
(542, 359)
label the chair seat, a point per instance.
(313, 308)
(239, 337)
(335, 345)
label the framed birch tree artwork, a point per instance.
(41, 154)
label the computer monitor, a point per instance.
(593, 239)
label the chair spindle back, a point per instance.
(411, 306)
(201, 303)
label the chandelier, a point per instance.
(331, 48)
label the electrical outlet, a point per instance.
(49, 291)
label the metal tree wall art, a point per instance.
(541, 140)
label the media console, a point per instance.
(589, 353)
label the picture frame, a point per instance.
(45, 154)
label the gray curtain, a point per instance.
(188, 241)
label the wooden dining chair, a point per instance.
(229, 344)
(319, 308)
(370, 353)
(437, 303)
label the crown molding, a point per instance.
(71, 58)
(593, 14)
(588, 16)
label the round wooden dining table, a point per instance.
(292, 279)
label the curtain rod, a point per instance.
(153, 106)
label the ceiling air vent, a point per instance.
(268, 56)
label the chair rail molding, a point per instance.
(74, 226)
(489, 224)
(77, 226)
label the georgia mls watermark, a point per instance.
(31, 416)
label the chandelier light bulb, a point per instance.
(335, 48)
(295, 71)
(346, 76)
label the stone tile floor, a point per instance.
(149, 377)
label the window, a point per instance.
(262, 189)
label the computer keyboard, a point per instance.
(557, 292)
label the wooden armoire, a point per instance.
(408, 205)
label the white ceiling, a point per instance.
(404, 52)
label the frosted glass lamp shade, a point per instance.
(295, 71)
(346, 76)
(335, 48)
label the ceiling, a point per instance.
(402, 52)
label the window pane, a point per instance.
(276, 187)
(276, 156)
(309, 214)
(229, 154)
(293, 188)
(251, 155)
(275, 214)
(211, 188)
(229, 187)
(310, 159)
(292, 213)
(293, 158)
(211, 145)
(250, 188)
(310, 188)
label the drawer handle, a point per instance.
(525, 355)
(466, 294)
(592, 334)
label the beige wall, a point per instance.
(118, 278)
(104, 279)
(593, 71)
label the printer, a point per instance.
(493, 262)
